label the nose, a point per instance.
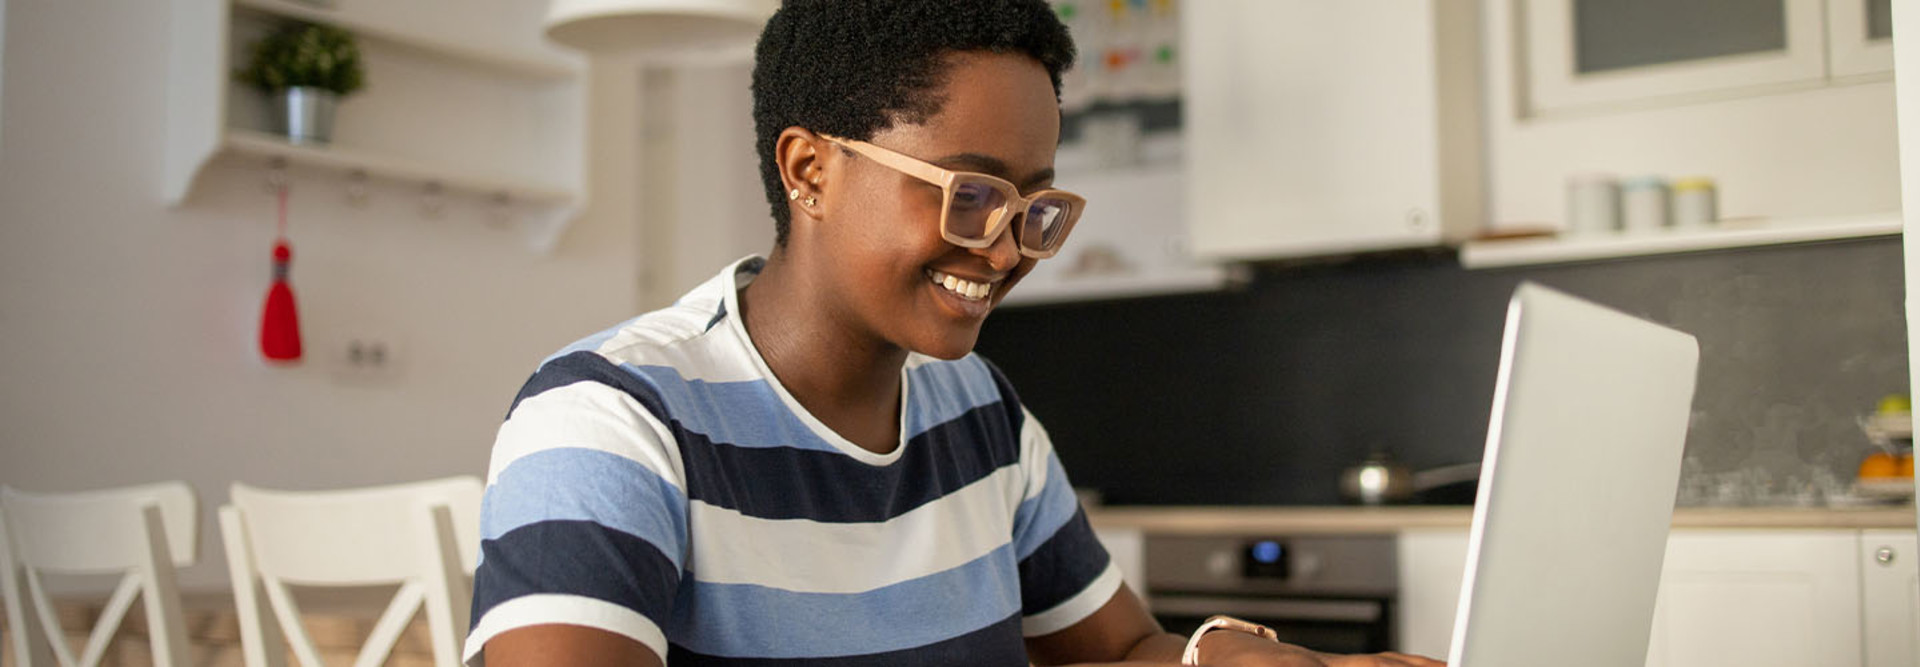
(1004, 253)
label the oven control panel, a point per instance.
(1311, 563)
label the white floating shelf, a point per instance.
(514, 106)
(374, 165)
(1729, 234)
(500, 57)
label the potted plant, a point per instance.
(305, 68)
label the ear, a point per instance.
(804, 159)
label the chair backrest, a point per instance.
(140, 532)
(423, 536)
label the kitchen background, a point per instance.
(1263, 395)
(130, 286)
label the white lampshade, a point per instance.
(657, 27)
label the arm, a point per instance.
(568, 645)
(1120, 630)
(583, 528)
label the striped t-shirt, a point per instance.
(656, 481)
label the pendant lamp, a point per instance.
(657, 28)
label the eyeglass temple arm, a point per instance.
(901, 163)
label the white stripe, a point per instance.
(545, 609)
(803, 555)
(712, 356)
(1076, 608)
(1035, 448)
(587, 415)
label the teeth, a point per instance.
(966, 289)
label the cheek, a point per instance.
(904, 223)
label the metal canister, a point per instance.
(1695, 202)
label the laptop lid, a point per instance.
(1577, 487)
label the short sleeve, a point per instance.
(584, 521)
(1065, 575)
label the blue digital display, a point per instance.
(1266, 552)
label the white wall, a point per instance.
(128, 330)
(701, 177)
(1811, 153)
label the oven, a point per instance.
(1332, 593)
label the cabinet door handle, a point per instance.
(1884, 556)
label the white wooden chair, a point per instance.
(140, 532)
(424, 536)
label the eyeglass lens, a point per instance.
(974, 204)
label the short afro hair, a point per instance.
(852, 68)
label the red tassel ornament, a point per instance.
(279, 323)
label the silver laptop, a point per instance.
(1577, 487)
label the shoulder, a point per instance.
(679, 343)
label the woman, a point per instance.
(801, 461)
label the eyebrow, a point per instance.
(992, 165)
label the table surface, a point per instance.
(1213, 520)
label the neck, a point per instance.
(835, 367)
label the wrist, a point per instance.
(1224, 636)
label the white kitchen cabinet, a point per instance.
(1859, 37)
(1582, 54)
(1727, 597)
(1318, 127)
(1758, 598)
(1432, 566)
(1890, 597)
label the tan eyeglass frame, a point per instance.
(1016, 205)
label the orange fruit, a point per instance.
(1880, 465)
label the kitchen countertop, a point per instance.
(1213, 520)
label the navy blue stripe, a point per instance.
(582, 366)
(786, 483)
(575, 558)
(997, 645)
(1008, 396)
(829, 486)
(1062, 567)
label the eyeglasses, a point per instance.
(975, 208)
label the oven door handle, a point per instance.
(1291, 609)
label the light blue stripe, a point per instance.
(577, 484)
(591, 343)
(747, 620)
(1039, 517)
(744, 414)
(944, 390)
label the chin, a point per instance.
(949, 347)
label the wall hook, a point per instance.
(276, 176)
(433, 200)
(502, 209)
(357, 188)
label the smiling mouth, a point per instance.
(961, 287)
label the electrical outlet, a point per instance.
(367, 359)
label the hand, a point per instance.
(1379, 660)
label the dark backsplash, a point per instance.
(1263, 394)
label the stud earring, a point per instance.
(811, 201)
(793, 194)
